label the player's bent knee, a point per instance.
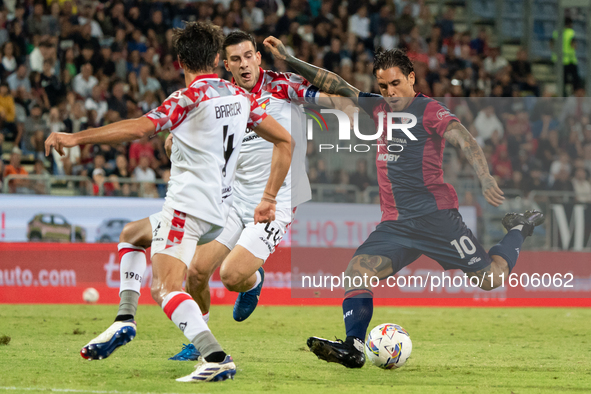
(135, 233)
(231, 279)
(197, 278)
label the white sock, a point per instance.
(185, 313)
(206, 318)
(256, 282)
(518, 227)
(131, 267)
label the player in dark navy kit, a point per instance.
(419, 210)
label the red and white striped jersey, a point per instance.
(274, 91)
(208, 120)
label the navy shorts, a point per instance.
(441, 235)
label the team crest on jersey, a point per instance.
(405, 120)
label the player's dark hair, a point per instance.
(237, 37)
(197, 45)
(384, 60)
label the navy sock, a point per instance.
(509, 248)
(357, 312)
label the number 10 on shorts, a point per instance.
(464, 247)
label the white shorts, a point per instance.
(259, 239)
(177, 234)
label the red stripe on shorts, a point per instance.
(177, 230)
(174, 302)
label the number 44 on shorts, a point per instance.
(271, 232)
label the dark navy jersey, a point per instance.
(410, 176)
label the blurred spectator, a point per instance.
(587, 156)
(501, 163)
(494, 62)
(576, 106)
(19, 78)
(54, 89)
(77, 120)
(252, 15)
(446, 24)
(141, 148)
(143, 172)
(406, 21)
(121, 167)
(118, 100)
(561, 164)
(582, 186)
(332, 59)
(521, 67)
(39, 186)
(534, 180)
(341, 192)
(360, 177)
(84, 81)
(9, 62)
(96, 102)
(320, 168)
(146, 83)
(562, 182)
(7, 111)
(15, 168)
(389, 40)
(487, 123)
(569, 55)
(99, 186)
(35, 131)
(359, 23)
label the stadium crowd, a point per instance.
(70, 65)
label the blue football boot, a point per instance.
(247, 302)
(189, 353)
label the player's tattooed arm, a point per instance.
(325, 80)
(369, 265)
(458, 136)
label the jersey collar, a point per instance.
(257, 87)
(204, 76)
(417, 94)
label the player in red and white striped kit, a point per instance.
(208, 120)
(244, 245)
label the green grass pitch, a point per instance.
(455, 350)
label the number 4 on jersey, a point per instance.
(228, 148)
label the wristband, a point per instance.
(272, 201)
(272, 196)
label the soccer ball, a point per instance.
(90, 295)
(388, 346)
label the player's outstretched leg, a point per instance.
(504, 254)
(247, 301)
(206, 259)
(135, 237)
(242, 272)
(357, 313)
(169, 268)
